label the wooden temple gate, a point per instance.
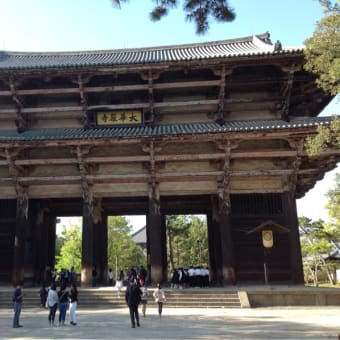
(213, 128)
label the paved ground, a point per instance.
(255, 323)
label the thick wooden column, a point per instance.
(99, 240)
(214, 250)
(164, 248)
(51, 238)
(87, 244)
(39, 245)
(224, 213)
(291, 222)
(226, 239)
(20, 234)
(155, 240)
(100, 249)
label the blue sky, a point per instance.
(50, 25)
(73, 25)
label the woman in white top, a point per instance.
(145, 294)
(159, 296)
(52, 303)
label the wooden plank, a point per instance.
(139, 178)
(158, 158)
(113, 88)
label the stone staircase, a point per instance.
(107, 298)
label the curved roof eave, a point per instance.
(169, 130)
(252, 46)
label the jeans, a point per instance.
(17, 311)
(62, 312)
(51, 315)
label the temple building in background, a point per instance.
(215, 128)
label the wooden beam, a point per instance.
(158, 158)
(114, 88)
(156, 177)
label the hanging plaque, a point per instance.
(119, 117)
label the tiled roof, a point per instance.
(160, 130)
(248, 46)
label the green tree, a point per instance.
(177, 227)
(123, 253)
(189, 241)
(199, 11)
(322, 50)
(326, 137)
(317, 242)
(333, 204)
(70, 252)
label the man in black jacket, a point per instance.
(133, 298)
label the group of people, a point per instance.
(189, 277)
(52, 299)
(65, 276)
(136, 294)
(62, 299)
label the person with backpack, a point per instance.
(133, 299)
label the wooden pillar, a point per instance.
(38, 258)
(155, 237)
(291, 222)
(87, 244)
(51, 238)
(19, 236)
(100, 249)
(164, 248)
(225, 228)
(212, 247)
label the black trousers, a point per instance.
(160, 307)
(134, 316)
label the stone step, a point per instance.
(107, 298)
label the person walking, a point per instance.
(43, 296)
(17, 303)
(63, 300)
(133, 299)
(110, 277)
(159, 297)
(52, 303)
(73, 304)
(145, 294)
(119, 282)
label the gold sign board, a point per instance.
(119, 117)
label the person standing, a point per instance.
(73, 304)
(43, 296)
(145, 294)
(133, 299)
(17, 301)
(159, 297)
(119, 282)
(94, 277)
(110, 277)
(52, 303)
(63, 300)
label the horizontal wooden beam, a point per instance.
(158, 158)
(141, 178)
(113, 88)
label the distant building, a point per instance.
(139, 237)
